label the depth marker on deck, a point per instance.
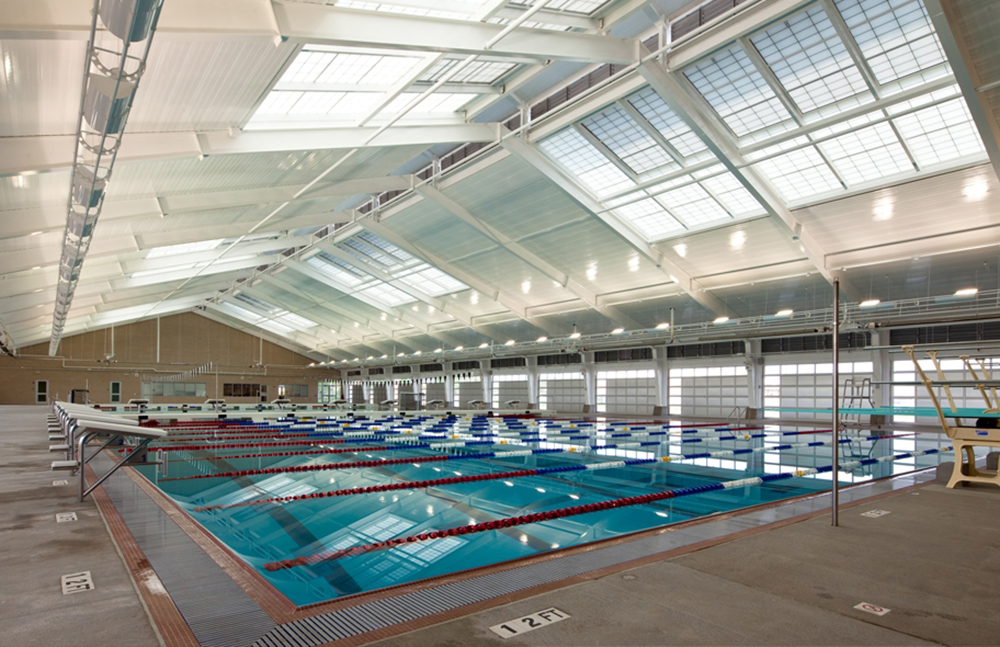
(872, 608)
(529, 622)
(875, 514)
(77, 583)
(58, 483)
(62, 517)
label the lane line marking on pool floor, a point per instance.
(77, 583)
(868, 607)
(529, 622)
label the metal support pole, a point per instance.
(132, 454)
(836, 401)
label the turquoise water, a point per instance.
(274, 531)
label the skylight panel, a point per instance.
(940, 133)
(810, 61)
(867, 154)
(241, 313)
(339, 270)
(476, 72)
(576, 6)
(626, 139)
(895, 36)
(799, 174)
(184, 248)
(391, 8)
(374, 250)
(650, 219)
(263, 306)
(294, 320)
(278, 103)
(348, 68)
(432, 281)
(276, 326)
(316, 103)
(738, 93)
(307, 67)
(656, 111)
(355, 103)
(693, 206)
(387, 294)
(594, 171)
(733, 196)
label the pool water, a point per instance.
(268, 532)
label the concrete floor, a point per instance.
(35, 552)
(933, 561)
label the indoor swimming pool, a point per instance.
(326, 509)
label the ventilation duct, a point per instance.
(87, 192)
(117, 16)
(107, 102)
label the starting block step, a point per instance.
(57, 438)
(58, 448)
(65, 465)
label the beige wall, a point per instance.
(186, 341)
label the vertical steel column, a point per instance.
(836, 401)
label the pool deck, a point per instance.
(778, 579)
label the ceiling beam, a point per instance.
(684, 280)
(33, 154)
(576, 287)
(501, 298)
(325, 25)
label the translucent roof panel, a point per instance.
(338, 270)
(432, 281)
(391, 8)
(732, 195)
(376, 251)
(739, 94)
(895, 36)
(185, 248)
(629, 142)
(867, 154)
(487, 72)
(439, 102)
(277, 326)
(573, 6)
(387, 294)
(940, 133)
(650, 219)
(260, 305)
(693, 206)
(241, 313)
(656, 111)
(593, 170)
(811, 62)
(799, 174)
(348, 68)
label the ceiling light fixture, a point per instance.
(542, 338)
(617, 331)
(459, 347)
(783, 313)
(509, 342)
(720, 320)
(870, 303)
(662, 326)
(966, 292)
(484, 345)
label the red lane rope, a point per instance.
(403, 485)
(472, 528)
(312, 468)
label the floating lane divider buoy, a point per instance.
(541, 471)
(579, 509)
